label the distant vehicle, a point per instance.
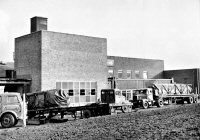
(157, 94)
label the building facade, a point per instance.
(134, 68)
(74, 63)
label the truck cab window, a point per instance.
(12, 99)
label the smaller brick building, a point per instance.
(134, 68)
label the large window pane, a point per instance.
(64, 85)
(92, 98)
(87, 98)
(58, 85)
(94, 85)
(70, 85)
(82, 85)
(76, 99)
(83, 99)
(87, 85)
(76, 85)
(76, 92)
(87, 92)
(71, 99)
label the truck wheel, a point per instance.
(195, 100)
(7, 120)
(160, 103)
(145, 105)
(190, 100)
(86, 113)
(125, 109)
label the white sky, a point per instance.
(154, 29)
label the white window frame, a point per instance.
(145, 75)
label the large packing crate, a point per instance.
(174, 89)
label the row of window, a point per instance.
(79, 92)
(128, 74)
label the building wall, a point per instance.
(28, 58)
(68, 57)
(153, 67)
(185, 76)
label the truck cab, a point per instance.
(11, 109)
(116, 100)
(146, 97)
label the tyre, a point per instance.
(160, 103)
(190, 100)
(86, 113)
(125, 108)
(195, 100)
(8, 120)
(145, 105)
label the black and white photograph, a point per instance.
(99, 69)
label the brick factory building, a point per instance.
(75, 63)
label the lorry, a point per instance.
(11, 109)
(45, 105)
(158, 94)
(116, 100)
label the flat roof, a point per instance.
(11, 81)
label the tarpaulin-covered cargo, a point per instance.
(173, 89)
(46, 99)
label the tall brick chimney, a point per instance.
(38, 23)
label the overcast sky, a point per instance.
(154, 29)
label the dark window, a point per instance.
(137, 74)
(128, 74)
(119, 73)
(70, 92)
(82, 92)
(93, 92)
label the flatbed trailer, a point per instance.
(90, 110)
